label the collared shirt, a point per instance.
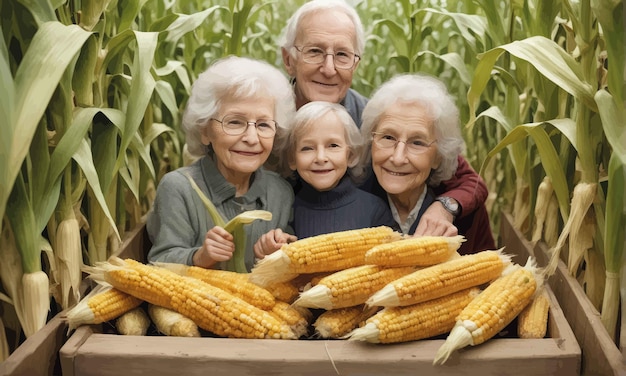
(410, 219)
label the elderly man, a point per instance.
(322, 46)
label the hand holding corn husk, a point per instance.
(226, 241)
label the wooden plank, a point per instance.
(70, 348)
(38, 354)
(135, 244)
(108, 355)
(600, 355)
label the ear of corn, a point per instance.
(172, 323)
(69, 255)
(532, 322)
(297, 318)
(417, 321)
(336, 323)
(442, 279)
(234, 227)
(211, 308)
(133, 323)
(414, 251)
(349, 287)
(100, 305)
(321, 253)
(232, 282)
(492, 310)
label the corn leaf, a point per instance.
(549, 158)
(25, 99)
(215, 215)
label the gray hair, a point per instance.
(305, 119)
(433, 95)
(239, 78)
(288, 38)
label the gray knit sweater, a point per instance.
(178, 221)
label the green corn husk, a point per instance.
(235, 227)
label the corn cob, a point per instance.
(283, 291)
(417, 321)
(442, 279)
(232, 282)
(172, 323)
(336, 323)
(492, 310)
(297, 318)
(349, 287)
(68, 253)
(414, 251)
(100, 305)
(532, 322)
(133, 323)
(321, 253)
(211, 308)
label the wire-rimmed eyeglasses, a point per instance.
(316, 55)
(413, 145)
(235, 125)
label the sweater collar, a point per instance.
(336, 197)
(221, 190)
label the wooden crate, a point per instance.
(599, 354)
(89, 351)
(38, 354)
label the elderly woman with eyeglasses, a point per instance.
(236, 109)
(412, 125)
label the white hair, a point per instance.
(305, 119)
(433, 95)
(288, 38)
(238, 78)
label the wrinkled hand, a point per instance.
(218, 246)
(271, 242)
(436, 221)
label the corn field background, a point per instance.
(92, 95)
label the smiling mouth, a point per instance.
(323, 84)
(247, 153)
(321, 171)
(393, 173)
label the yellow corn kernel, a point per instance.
(232, 282)
(442, 279)
(283, 291)
(100, 305)
(297, 318)
(414, 251)
(321, 253)
(172, 323)
(336, 323)
(492, 310)
(133, 323)
(211, 308)
(417, 321)
(349, 287)
(532, 322)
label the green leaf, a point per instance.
(549, 159)
(85, 161)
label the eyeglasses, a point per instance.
(317, 55)
(235, 125)
(413, 145)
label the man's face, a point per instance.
(331, 31)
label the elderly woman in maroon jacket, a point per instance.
(412, 125)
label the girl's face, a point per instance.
(401, 171)
(240, 155)
(322, 154)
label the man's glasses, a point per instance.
(316, 55)
(413, 145)
(235, 125)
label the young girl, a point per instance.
(323, 148)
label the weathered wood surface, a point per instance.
(38, 354)
(600, 355)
